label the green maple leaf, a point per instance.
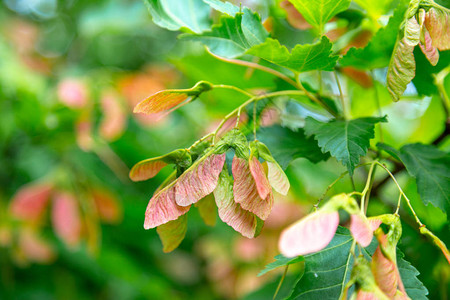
(346, 140)
(319, 12)
(234, 35)
(173, 14)
(302, 58)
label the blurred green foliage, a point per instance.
(112, 50)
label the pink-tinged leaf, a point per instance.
(162, 208)
(277, 178)
(30, 201)
(199, 180)
(231, 212)
(374, 223)
(309, 235)
(167, 100)
(172, 233)
(260, 177)
(146, 169)
(208, 210)
(385, 273)
(66, 218)
(35, 248)
(108, 207)
(361, 230)
(114, 118)
(73, 93)
(431, 52)
(246, 192)
(437, 22)
(402, 67)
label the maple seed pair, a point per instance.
(314, 232)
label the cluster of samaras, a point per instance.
(244, 196)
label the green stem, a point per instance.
(367, 187)
(281, 282)
(402, 193)
(252, 99)
(334, 182)
(231, 87)
(255, 66)
(341, 96)
(254, 121)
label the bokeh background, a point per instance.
(70, 75)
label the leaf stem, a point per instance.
(255, 66)
(401, 193)
(341, 96)
(281, 282)
(367, 187)
(333, 183)
(254, 120)
(232, 87)
(200, 140)
(252, 99)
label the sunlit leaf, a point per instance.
(402, 66)
(243, 221)
(319, 12)
(309, 235)
(173, 14)
(245, 190)
(167, 100)
(302, 58)
(199, 180)
(346, 140)
(207, 209)
(172, 233)
(66, 218)
(280, 261)
(233, 36)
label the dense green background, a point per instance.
(106, 42)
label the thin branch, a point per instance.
(255, 66)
